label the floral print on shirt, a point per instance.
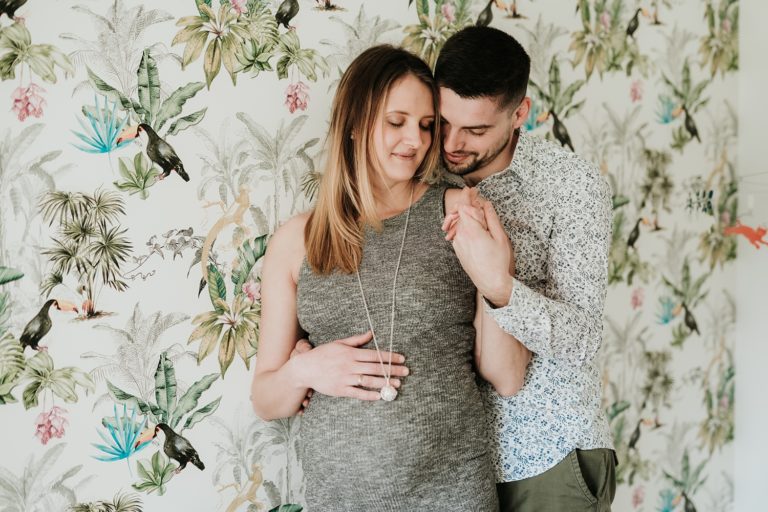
(557, 210)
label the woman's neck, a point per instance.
(395, 199)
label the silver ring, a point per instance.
(360, 380)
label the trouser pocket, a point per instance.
(595, 472)
(583, 481)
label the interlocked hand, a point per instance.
(482, 247)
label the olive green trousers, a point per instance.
(585, 481)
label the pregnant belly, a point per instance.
(418, 438)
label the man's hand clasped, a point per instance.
(482, 246)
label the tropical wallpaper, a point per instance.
(149, 149)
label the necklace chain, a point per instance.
(387, 372)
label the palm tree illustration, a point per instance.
(90, 243)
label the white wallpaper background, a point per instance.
(667, 353)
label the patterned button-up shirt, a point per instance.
(557, 210)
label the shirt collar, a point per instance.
(520, 166)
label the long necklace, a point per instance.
(388, 392)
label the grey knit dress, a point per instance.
(428, 449)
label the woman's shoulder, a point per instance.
(452, 192)
(286, 245)
(452, 198)
(293, 227)
(467, 195)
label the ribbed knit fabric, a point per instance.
(428, 449)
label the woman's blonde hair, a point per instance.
(333, 236)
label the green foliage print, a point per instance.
(16, 49)
(243, 42)
(234, 327)
(89, 244)
(167, 407)
(148, 107)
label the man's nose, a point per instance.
(452, 140)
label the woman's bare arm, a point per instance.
(278, 387)
(500, 358)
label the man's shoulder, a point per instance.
(562, 167)
(559, 158)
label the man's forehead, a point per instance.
(467, 111)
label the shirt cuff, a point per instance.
(522, 317)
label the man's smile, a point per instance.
(456, 158)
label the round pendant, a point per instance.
(388, 393)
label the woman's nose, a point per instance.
(413, 137)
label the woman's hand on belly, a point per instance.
(341, 368)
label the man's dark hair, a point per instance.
(481, 62)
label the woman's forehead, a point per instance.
(409, 95)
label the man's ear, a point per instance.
(521, 112)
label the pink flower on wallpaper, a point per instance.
(449, 12)
(638, 496)
(725, 218)
(253, 290)
(297, 97)
(239, 6)
(637, 298)
(51, 424)
(726, 25)
(27, 101)
(636, 91)
(605, 20)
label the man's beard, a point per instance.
(476, 162)
(462, 168)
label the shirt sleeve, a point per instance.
(565, 322)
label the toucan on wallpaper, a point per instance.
(149, 149)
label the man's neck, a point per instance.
(498, 165)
